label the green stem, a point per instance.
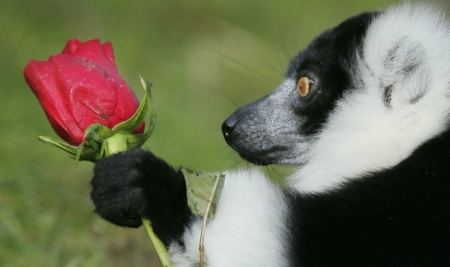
(205, 218)
(160, 249)
(117, 143)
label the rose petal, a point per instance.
(71, 47)
(90, 94)
(109, 52)
(40, 76)
(94, 51)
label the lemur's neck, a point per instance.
(326, 174)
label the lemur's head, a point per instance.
(361, 97)
(280, 127)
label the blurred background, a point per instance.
(205, 58)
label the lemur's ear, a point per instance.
(399, 72)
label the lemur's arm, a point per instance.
(136, 184)
(249, 228)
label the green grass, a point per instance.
(205, 58)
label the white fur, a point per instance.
(248, 229)
(362, 133)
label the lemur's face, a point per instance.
(282, 126)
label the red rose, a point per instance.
(80, 87)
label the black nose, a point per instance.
(228, 128)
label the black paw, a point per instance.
(135, 184)
(118, 188)
(126, 184)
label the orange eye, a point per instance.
(303, 86)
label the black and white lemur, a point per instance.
(364, 112)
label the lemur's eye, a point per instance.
(304, 85)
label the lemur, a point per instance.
(363, 112)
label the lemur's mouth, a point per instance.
(257, 160)
(263, 158)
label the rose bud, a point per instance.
(81, 87)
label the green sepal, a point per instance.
(64, 146)
(203, 189)
(87, 153)
(137, 140)
(94, 136)
(128, 126)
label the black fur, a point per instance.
(326, 60)
(135, 184)
(394, 217)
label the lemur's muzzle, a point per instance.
(247, 131)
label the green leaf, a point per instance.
(203, 189)
(128, 126)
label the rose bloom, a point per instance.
(80, 87)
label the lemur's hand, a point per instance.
(135, 184)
